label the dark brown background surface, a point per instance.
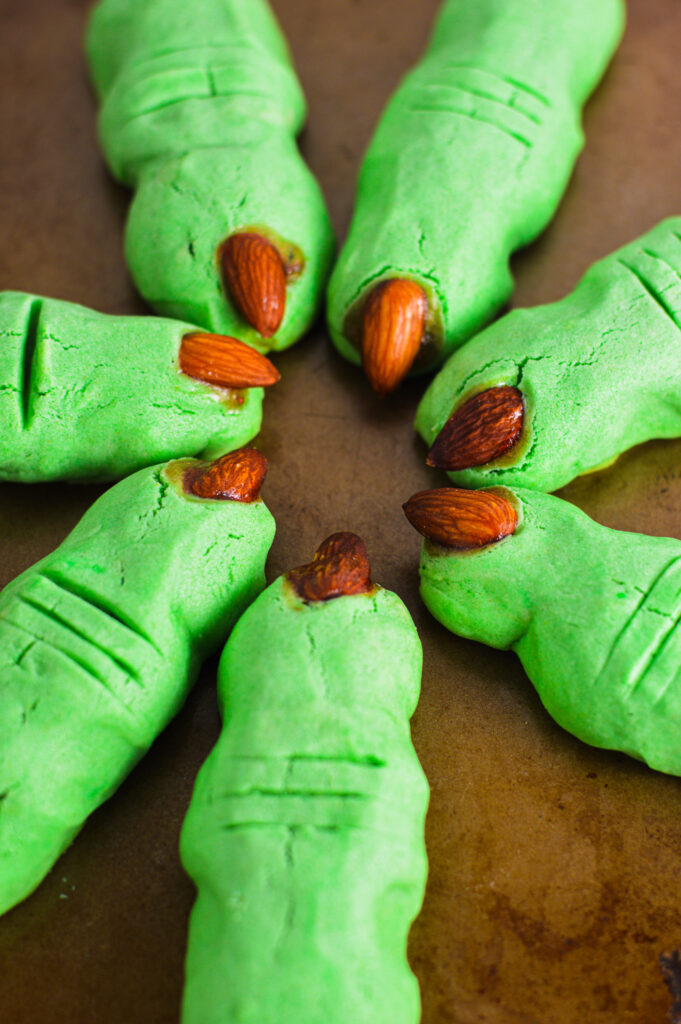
(554, 868)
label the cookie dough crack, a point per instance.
(163, 486)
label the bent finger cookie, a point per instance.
(469, 162)
(546, 394)
(100, 643)
(85, 395)
(592, 613)
(305, 830)
(200, 108)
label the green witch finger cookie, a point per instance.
(100, 643)
(592, 613)
(200, 109)
(546, 394)
(305, 830)
(88, 396)
(468, 163)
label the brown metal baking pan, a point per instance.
(555, 869)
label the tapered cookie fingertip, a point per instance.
(225, 362)
(255, 277)
(340, 567)
(461, 519)
(481, 430)
(393, 329)
(237, 476)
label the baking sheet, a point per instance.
(554, 868)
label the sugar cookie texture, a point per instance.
(200, 108)
(84, 395)
(305, 830)
(470, 160)
(100, 643)
(592, 614)
(598, 372)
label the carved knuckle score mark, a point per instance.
(87, 637)
(482, 96)
(307, 791)
(643, 660)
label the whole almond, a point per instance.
(237, 476)
(225, 362)
(481, 430)
(393, 325)
(255, 277)
(457, 518)
(339, 567)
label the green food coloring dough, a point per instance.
(88, 396)
(305, 830)
(592, 613)
(200, 109)
(599, 371)
(470, 160)
(100, 643)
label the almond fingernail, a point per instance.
(393, 326)
(225, 362)
(255, 276)
(237, 476)
(339, 567)
(482, 429)
(457, 518)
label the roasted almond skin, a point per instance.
(339, 567)
(461, 519)
(255, 276)
(393, 328)
(481, 430)
(237, 476)
(225, 362)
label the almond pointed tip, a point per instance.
(484, 428)
(237, 476)
(456, 518)
(225, 362)
(339, 568)
(393, 328)
(255, 277)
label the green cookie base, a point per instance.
(101, 642)
(185, 208)
(199, 115)
(599, 370)
(592, 614)
(88, 396)
(471, 158)
(305, 830)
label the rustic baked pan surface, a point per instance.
(554, 867)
